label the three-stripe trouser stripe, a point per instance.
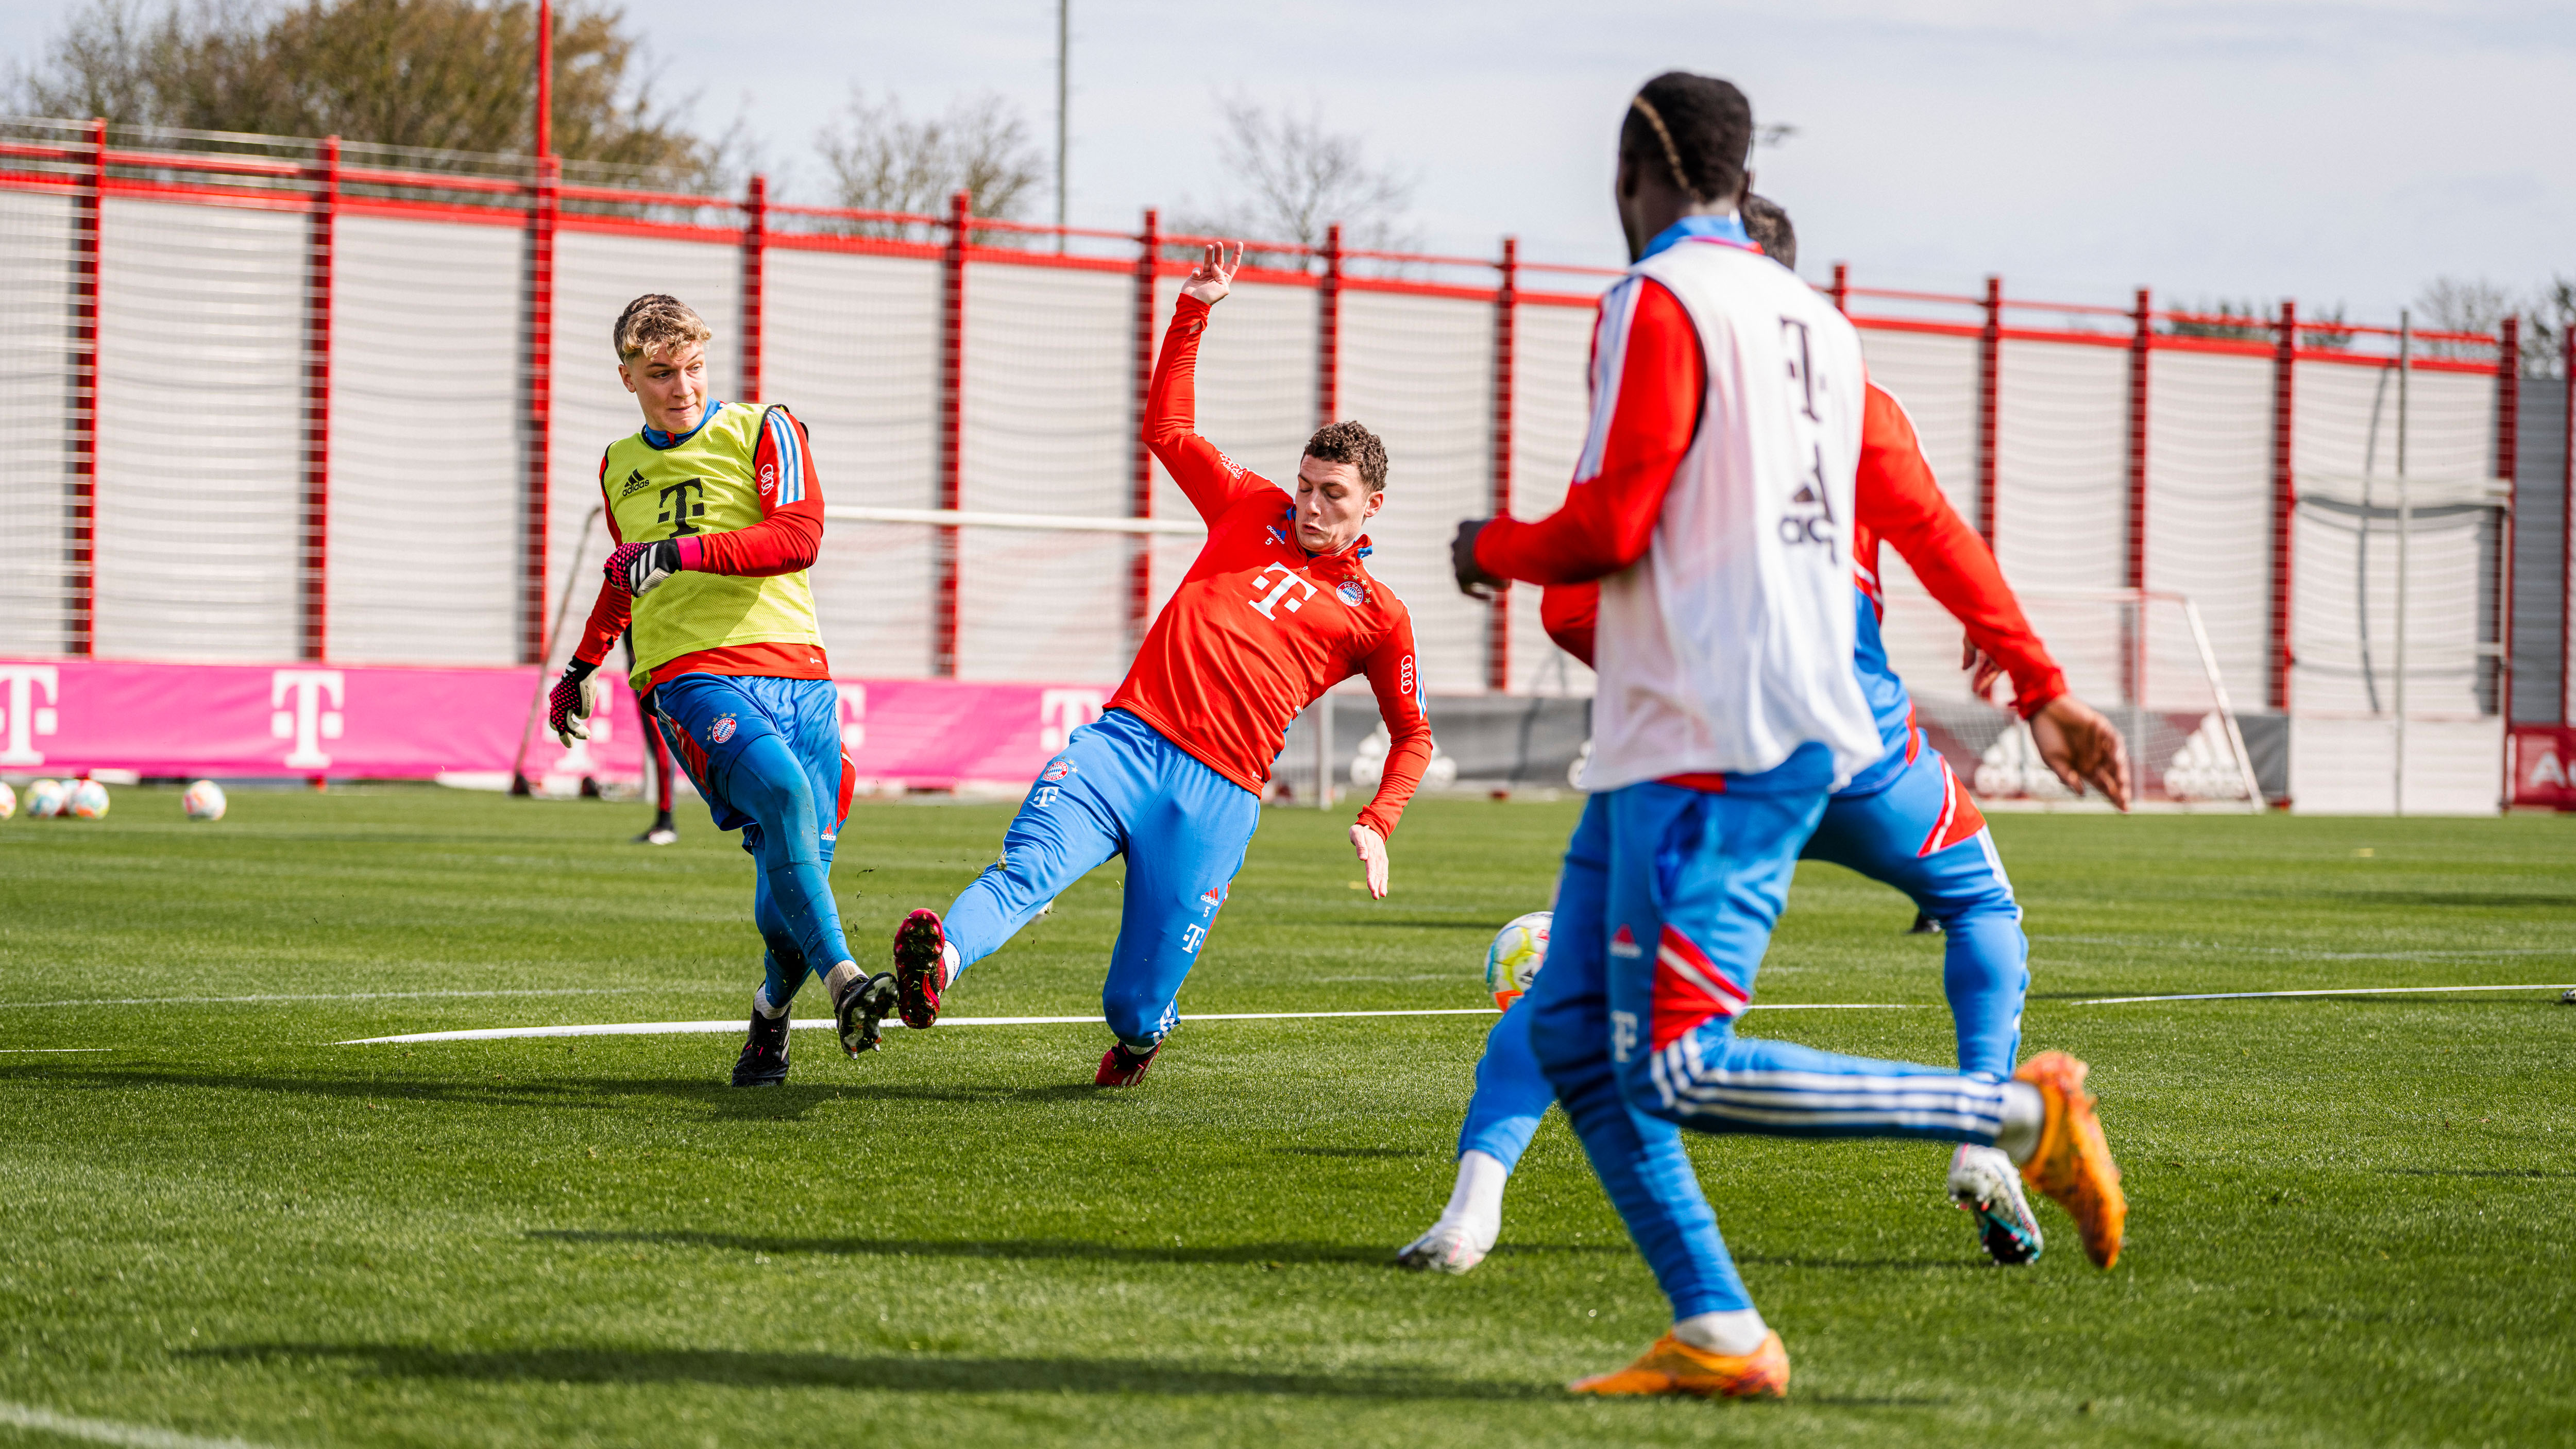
(1757, 1098)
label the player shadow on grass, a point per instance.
(567, 1093)
(894, 1372)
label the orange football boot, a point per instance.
(1674, 1367)
(2073, 1165)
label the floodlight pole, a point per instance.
(1063, 107)
(545, 77)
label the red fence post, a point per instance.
(541, 405)
(952, 389)
(1990, 347)
(2507, 451)
(1498, 629)
(317, 405)
(2285, 500)
(1841, 292)
(1140, 484)
(1328, 331)
(755, 282)
(2566, 520)
(84, 502)
(2139, 342)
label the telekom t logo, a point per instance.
(1061, 712)
(306, 722)
(24, 719)
(854, 715)
(1288, 579)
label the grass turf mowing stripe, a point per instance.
(2323, 991)
(675, 1028)
(325, 996)
(107, 1431)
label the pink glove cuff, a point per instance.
(689, 550)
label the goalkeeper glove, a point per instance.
(574, 698)
(640, 568)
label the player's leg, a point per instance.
(763, 1062)
(742, 739)
(1924, 835)
(1697, 881)
(657, 761)
(1072, 820)
(1511, 1095)
(1185, 842)
(1718, 1343)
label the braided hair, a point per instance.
(1694, 129)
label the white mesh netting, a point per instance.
(2209, 503)
(39, 243)
(1256, 398)
(1551, 408)
(200, 431)
(1935, 378)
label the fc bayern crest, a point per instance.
(721, 730)
(1057, 770)
(1351, 592)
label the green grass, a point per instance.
(2351, 1219)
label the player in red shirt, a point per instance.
(1277, 609)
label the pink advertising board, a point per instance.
(68, 716)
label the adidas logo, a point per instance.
(1625, 945)
(634, 481)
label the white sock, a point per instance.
(2024, 1113)
(837, 980)
(1476, 1203)
(1734, 1334)
(948, 967)
(760, 1003)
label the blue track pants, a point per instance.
(1119, 788)
(1883, 834)
(766, 754)
(1664, 909)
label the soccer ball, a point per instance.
(8, 800)
(88, 800)
(45, 799)
(1519, 949)
(204, 800)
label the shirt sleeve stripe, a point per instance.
(1609, 360)
(791, 459)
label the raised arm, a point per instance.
(1396, 679)
(1648, 383)
(1896, 495)
(1213, 481)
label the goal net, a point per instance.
(2144, 660)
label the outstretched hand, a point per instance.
(1987, 668)
(1214, 275)
(1372, 852)
(2079, 746)
(1473, 581)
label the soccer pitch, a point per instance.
(2351, 1218)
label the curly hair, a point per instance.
(1768, 224)
(655, 321)
(1348, 442)
(1695, 129)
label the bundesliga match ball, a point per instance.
(1519, 949)
(8, 800)
(45, 799)
(87, 800)
(204, 800)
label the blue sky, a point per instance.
(2333, 150)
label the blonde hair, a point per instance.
(655, 321)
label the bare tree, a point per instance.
(2451, 304)
(444, 74)
(1293, 178)
(883, 160)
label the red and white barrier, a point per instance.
(69, 717)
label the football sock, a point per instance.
(760, 1003)
(2024, 1113)
(1734, 1334)
(840, 978)
(948, 963)
(1476, 1203)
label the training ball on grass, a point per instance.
(1519, 949)
(87, 800)
(45, 799)
(8, 800)
(203, 800)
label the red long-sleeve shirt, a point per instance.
(1608, 520)
(788, 537)
(1259, 628)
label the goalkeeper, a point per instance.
(717, 514)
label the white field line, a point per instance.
(677, 1028)
(326, 996)
(108, 1431)
(2327, 991)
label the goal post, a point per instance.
(2143, 658)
